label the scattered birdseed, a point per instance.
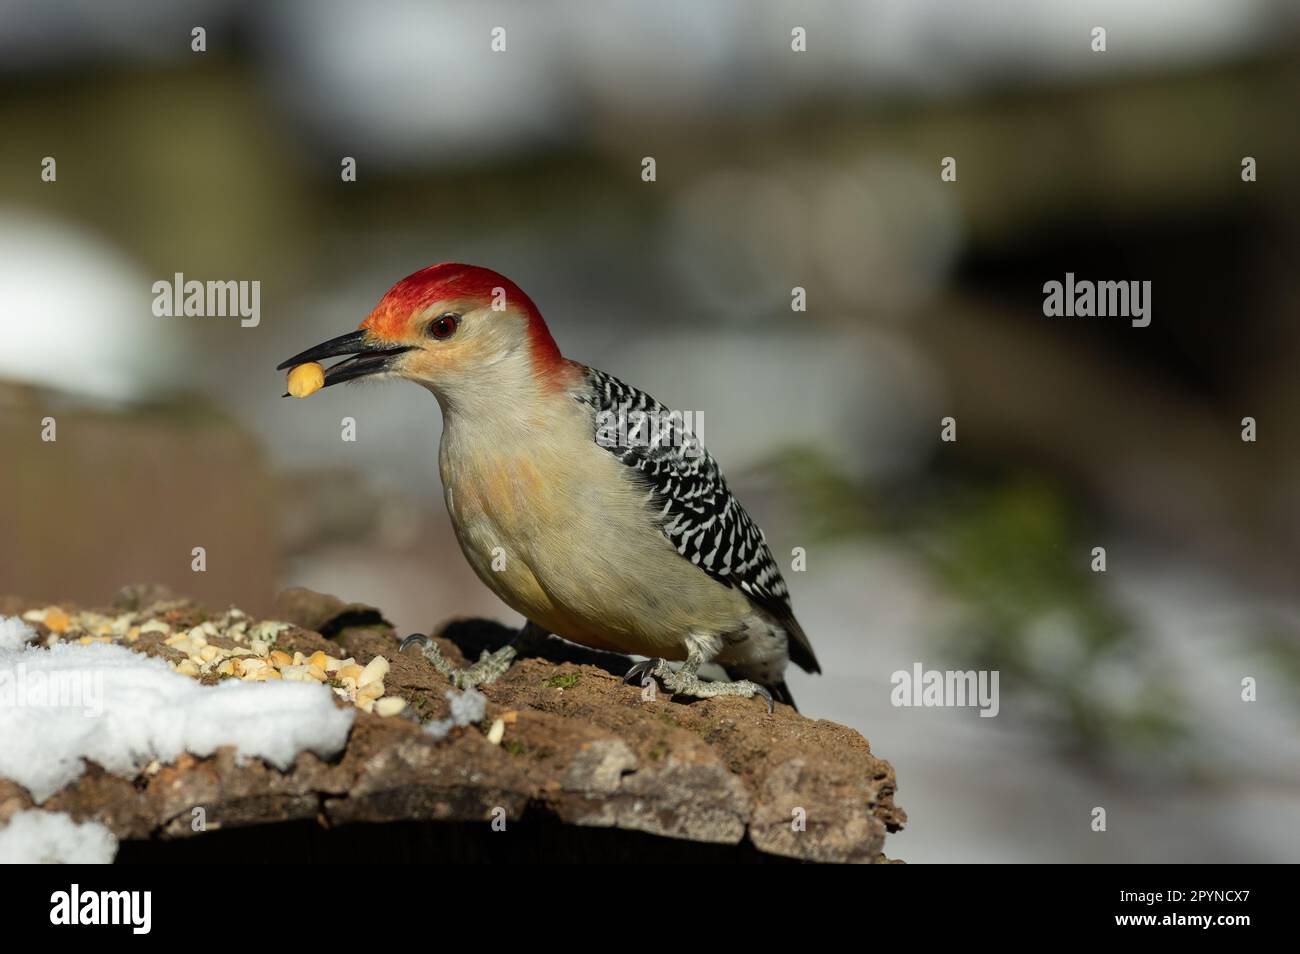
(376, 669)
(200, 656)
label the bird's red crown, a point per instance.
(452, 281)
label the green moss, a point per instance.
(565, 680)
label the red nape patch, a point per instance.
(451, 281)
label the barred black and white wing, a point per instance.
(699, 515)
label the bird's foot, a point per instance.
(684, 682)
(490, 667)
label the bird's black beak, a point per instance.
(366, 357)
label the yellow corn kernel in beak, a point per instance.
(306, 379)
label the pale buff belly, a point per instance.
(571, 545)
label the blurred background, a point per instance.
(775, 169)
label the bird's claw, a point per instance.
(688, 684)
(642, 672)
(488, 669)
(412, 640)
(430, 651)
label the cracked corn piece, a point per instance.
(306, 379)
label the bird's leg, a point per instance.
(685, 681)
(490, 667)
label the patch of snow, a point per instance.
(467, 708)
(14, 633)
(53, 838)
(123, 710)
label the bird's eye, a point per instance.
(444, 326)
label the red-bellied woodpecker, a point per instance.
(581, 502)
